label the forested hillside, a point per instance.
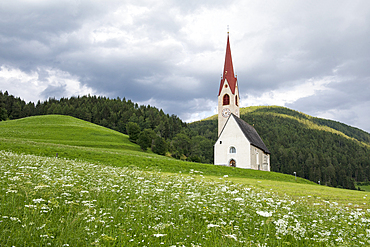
(316, 149)
(146, 125)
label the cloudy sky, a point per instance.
(311, 56)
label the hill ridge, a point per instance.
(306, 145)
(314, 120)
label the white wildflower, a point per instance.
(41, 186)
(159, 235)
(39, 200)
(264, 214)
(39, 228)
(11, 191)
(231, 236)
(15, 219)
(281, 226)
(339, 239)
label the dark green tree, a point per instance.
(16, 110)
(3, 114)
(3, 111)
(145, 139)
(159, 145)
(181, 145)
(133, 131)
(201, 149)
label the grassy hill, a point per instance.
(72, 138)
(65, 130)
(77, 139)
(103, 191)
(317, 149)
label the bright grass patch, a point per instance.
(59, 202)
(73, 138)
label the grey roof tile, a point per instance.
(251, 134)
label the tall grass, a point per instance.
(59, 202)
(103, 191)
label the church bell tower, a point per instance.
(228, 94)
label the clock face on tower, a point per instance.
(226, 112)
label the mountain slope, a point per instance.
(316, 149)
(347, 130)
(77, 139)
(65, 130)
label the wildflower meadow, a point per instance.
(61, 202)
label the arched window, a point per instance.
(226, 99)
(232, 150)
(236, 99)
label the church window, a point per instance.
(226, 99)
(257, 158)
(236, 100)
(220, 142)
(232, 163)
(232, 150)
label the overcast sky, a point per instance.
(311, 56)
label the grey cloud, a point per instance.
(347, 100)
(54, 92)
(298, 42)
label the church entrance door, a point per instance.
(232, 163)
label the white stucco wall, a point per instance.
(232, 106)
(264, 164)
(232, 136)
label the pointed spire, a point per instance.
(228, 69)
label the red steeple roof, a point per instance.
(228, 70)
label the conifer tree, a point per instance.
(133, 131)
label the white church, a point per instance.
(238, 143)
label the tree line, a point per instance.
(146, 125)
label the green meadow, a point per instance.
(77, 139)
(102, 190)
